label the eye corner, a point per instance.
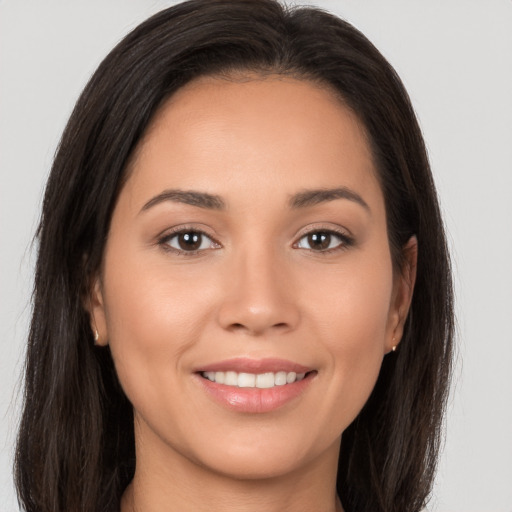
(194, 242)
(325, 237)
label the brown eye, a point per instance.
(319, 241)
(189, 241)
(322, 241)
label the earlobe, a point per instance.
(404, 288)
(96, 309)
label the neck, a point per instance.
(167, 480)
(238, 497)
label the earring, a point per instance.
(96, 336)
(393, 348)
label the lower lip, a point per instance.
(255, 400)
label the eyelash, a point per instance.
(346, 241)
(164, 240)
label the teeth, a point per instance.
(280, 379)
(231, 379)
(251, 380)
(246, 380)
(265, 380)
(290, 377)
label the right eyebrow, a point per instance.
(191, 197)
(307, 198)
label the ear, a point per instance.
(95, 305)
(403, 289)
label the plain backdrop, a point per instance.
(455, 58)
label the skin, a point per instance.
(259, 289)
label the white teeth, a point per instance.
(265, 380)
(230, 379)
(246, 380)
(251, 380)
(280, 379)
(290, 377)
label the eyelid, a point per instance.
(346, 237)
(332, 228)
(168, 234)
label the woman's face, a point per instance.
(247, 248)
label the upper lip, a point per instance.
(247, 365)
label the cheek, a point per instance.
(353, 301)
(153, 317)
(351, 308)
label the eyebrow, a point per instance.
(302, 199)
(308, 198)
(193, 198)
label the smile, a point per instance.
(255, 385)
(252, 380)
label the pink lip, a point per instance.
(246, 365)
(255, 400)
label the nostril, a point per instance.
(239, 326)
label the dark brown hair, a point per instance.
(75, 448)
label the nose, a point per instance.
(259, 296)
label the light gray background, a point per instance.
(455, 58)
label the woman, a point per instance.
(243, 296)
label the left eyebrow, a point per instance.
(191, 197)
(308, 198)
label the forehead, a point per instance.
(263, 133)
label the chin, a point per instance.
(241, 467)
(267, 455)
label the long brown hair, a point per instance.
(75, 448)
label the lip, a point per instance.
(255, 400)
(247, 365)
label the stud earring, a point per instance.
(393, 348)
(96, 336)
